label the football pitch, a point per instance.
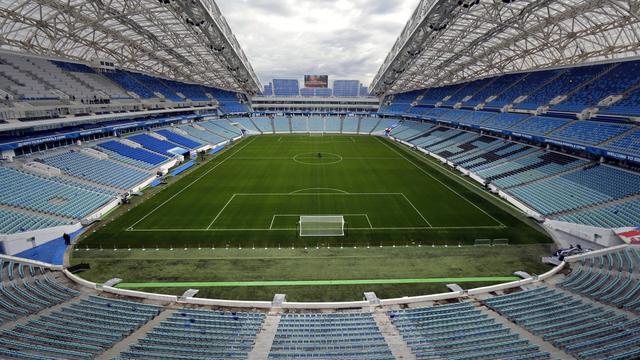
(251, 196)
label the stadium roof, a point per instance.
(178, 39)
(448, 41)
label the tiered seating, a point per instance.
(583, 330)
(436, 95)
(247, 124)
(153, 144)
(220, 128)
(470, 117)
(410, 129)
(593, 277)
(299, 124)
(350, 124)
(316, 124)
(613, 82)
(460, 331)
(367, 125)
(526, 86)
(179, 139)
(333, 335)
(503, 153)
(199, 334)
(333, 124)
(452, 142)
(495, 88)
(129, 83)
(400, 103)
(281, 124)
(590, 132)
(12, 222)
(569, 80)
(96, 81)
(629, 144)
(469, 89)
(21, 298)
(80, 330)
(587, 187)
(530, 168)
(226, 124)
(264, 124)
(141, 157)
(207, 136)
(627, 106)
(156, 85)
(104, 172)
(228, 101)
(503, 120)
(437, 136)
(383, 125)
(26, 191)
(539, 125)
(622, 214)
(191, 91)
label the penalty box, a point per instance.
(281, 211)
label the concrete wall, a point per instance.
(17, 243)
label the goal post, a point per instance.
(321, 225)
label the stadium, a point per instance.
(479, 199)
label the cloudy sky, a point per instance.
(346, 39)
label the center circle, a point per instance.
(317, 158)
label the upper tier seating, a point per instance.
(26, 191)
(199, 334)
(590, 186)
(629, 105)
(191, 91)
(12, 222)
(503, 120)
(153, 144)
(179, 139)
(104, 172)
(401, 102)
(613, 82)
(531, 82)
(130, 83)
(334, 335)
(569, 80)
(156, 85)
(581, 329)
(460, 331)
(469, 89)
(97, 82)
(590, 132)
(436, 95)
(138, 154)
(229, 101)
(495, 88)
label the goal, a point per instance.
(321, 225)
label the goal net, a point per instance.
(322, 225)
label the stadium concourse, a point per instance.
(107, 104)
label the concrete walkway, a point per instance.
(264, 339)
(396, 343)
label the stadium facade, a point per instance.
(536, 102)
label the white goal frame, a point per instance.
(321, 225)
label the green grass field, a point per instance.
(251, 196)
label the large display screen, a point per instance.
(316, 81)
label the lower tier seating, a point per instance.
(621, 214)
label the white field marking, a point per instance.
(319, 188)
(193, 182)
(279, 138)
(416, 209)
(221, 210)
(438, 180)
(352, 139)
(273, 218)
(369, 221)
(288, 229)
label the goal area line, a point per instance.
(196, 284)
